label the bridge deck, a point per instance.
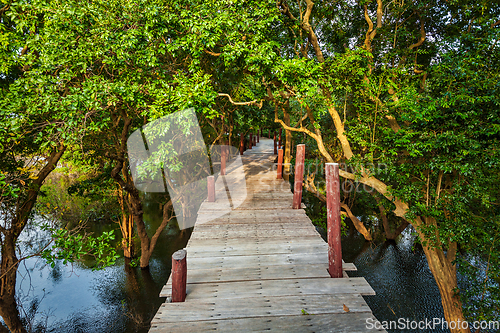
(261, 265)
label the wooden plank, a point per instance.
(349, 322)
(250, 242)
(254, 249)
(290, 239)
(260, 306)
(259, 233)
(262, 265)
(289, 225)
(297, 228)
(256, 261)
(292, 287)
(209, 219)
(259, 216)
(283, 272)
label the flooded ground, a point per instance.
(124, 299)
(121, 298)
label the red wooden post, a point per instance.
(333, 220)
(299, 176)
(280, 164)
(250, 141)
(269, 134)
(258, 136)
(179, 276)
(275, 148)
(255, 140)
(223, 153)
(280, 139)
(211, 188)
(242, 144)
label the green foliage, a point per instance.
(420, 115)
(480, 283)
(87, 68)
(319, 219)
(7, 189)
(70, 198)
(70, 247)
(135, 262)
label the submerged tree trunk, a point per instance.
(390, 234)
(9, 265)
(134, 206)
(360, 227)
(445, 273)
(126, 227)
(9, 261)
(121, 175)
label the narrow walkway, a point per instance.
(255, 264)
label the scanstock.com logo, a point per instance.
(169, 154)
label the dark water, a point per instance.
(124, 299)
(399, 274)
(397, 271)
(73, 298)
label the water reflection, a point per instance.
(124, 299)
(121, 298)
(396, 270)
(399, 274)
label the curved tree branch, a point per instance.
(215, 54)
(372, 32)
(422, 35)
(357, 223)
(254, 102)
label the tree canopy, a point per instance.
(406, 93)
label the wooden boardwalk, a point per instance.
(260, 265)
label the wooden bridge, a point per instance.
(261, 266)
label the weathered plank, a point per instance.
(254, 249)
(256, 260)
(255, 264)
(261, 216)
(253, 232)
(295, 287)
(287, 225)
(260, 306)
(259, 273)
(349, 322)
(251, 242)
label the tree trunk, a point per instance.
(288, 146)
(126, 227)
(360, 227)
(445, 274)
(8, 271)
(446, 279)
(9, 262)
(136, 207)
(127, 236)
(389, 233)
